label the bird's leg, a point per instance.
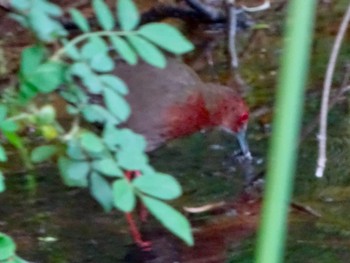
(143, 213)
(136, 235)
(145, 245)
(130, 175)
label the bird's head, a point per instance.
(231, 114)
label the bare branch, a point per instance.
(322, 136)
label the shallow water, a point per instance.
(56, 224)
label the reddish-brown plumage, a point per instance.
(174, 102)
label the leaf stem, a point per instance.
(59, 53)
(19, 117)
(74, 129)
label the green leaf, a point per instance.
(47, 114)
(147, 51)
(116, 104)
(95, 45)
(103, 14)
(14, 139)
(123, 195)
(126, 138)
(115, 83)
(3, 156)
(167, 37)
(131, 146)
(48, 76)
(159, 185)
(52, 29)
(49, 132)
(27, 91)
(72, 110)
(22, 20)
(128, 141)
(174, 221)
(74, 150)
(101, 191)
(96, 113)
(101, 62)
(132, 159)
(2, 182)
(110, 136)
(91, 142)
(128, 15)
(80, 69)
(107, 166)
(7, 247)
(124, 50)
(71, 50)
(49, 8)
(74, 94)
(93, 83)
(88, 77)
(20, 5)
(74, 173)
(147, 170)
(31, 58)
(8, 126)
(43, 153)
(3, 112)
(79, 20)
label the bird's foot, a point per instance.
(144, 245)
(240, 157)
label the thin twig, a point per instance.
(75, 41)
(344, 88)
(264, 6)
(232, 35)
(322, 136)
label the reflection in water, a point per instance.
(214, 233)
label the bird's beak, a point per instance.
(241, 137)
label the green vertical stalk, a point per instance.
(288, 111)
